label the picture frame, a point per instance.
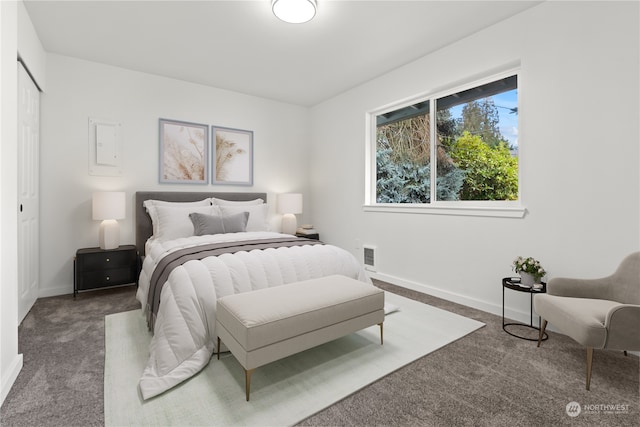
(232, 156)
(184, 152)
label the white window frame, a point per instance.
(492, 208)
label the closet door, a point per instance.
(28, 192)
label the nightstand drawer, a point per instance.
(101, 278)
(104, 260)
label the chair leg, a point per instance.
(625, 353)
(542, 329)
(589, 361)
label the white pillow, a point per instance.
(173, 221)
(222, 202)
(257, 215)
(150, 202)
(150, 206)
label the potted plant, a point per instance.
(529, 269)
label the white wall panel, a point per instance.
(579, 155)
(78, 90)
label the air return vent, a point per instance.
(369, 257)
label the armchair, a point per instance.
(597, 313)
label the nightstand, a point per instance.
(96, 268)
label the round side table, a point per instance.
(513, 283)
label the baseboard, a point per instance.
(486, 306)
(54, 292)
(8, 378)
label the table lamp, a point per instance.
(109, 206)
(289, 204)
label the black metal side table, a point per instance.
(513, 283)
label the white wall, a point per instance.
(78, 90)
(10, 360)
(579, 155)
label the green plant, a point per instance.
(408, 182)
(491, 173)
(402, 182)
(529, 265)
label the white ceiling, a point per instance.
(240, 46)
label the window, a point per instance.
(456, 148)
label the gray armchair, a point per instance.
(598, 313)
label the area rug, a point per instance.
(282, 393)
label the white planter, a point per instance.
(527, 279)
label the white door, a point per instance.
(28, 191)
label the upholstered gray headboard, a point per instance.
(144, 228)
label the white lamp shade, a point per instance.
(290, 203)
(108, 205)
(294, 11)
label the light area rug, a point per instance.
(283, 392)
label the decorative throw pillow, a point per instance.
(257, 215)
(214, 224)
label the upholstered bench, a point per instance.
(266, 325)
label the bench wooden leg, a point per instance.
(247, 381)
(381, 334)
(218, 348)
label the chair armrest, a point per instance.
(579, 288)
(622, 327)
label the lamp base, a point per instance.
(289, 224)
(109, 234)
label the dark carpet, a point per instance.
(487, 378)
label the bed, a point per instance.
(183, 274)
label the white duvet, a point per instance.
(184, 336)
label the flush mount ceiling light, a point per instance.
(294, 11)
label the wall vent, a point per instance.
(369, 257)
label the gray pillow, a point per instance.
(213, 224)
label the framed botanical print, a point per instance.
(232, 157)
(184, 152)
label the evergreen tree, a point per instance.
(408, 182)
(447, 128)
(481, 118)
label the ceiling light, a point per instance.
(294, 11)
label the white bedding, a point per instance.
(184, 334)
